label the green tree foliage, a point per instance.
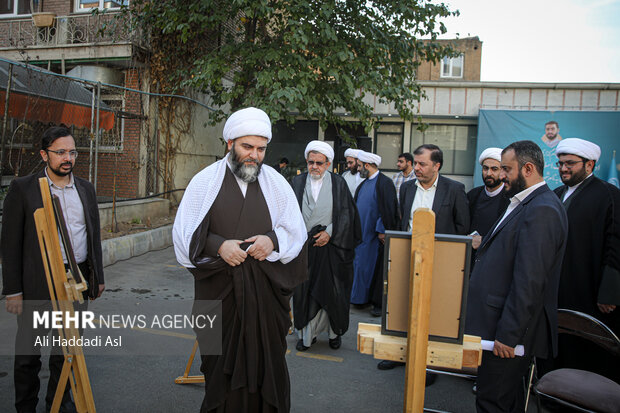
(295, 57)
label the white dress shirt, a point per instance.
(73, 212)
(423, 198)
(315, 186)
(517, 199)
(242, 184)
(494, 193)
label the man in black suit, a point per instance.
(23, 275)
(432, 190)
(513, 289)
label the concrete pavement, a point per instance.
(322, 379)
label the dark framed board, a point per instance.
(452, 258)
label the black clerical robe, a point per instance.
(251, 373)
(330, 267)
(591, 268)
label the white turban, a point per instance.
(320, 147)
(369, 157)
(579, 147)
(351, 153)
(493, 153)
(246, 122)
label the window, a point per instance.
(452, 67)
(89, 5)
(15, 7)
(389, 143)
(457, 142)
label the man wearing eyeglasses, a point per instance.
(321, 304)
(23, 275)
(590, 278)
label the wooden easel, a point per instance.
(416, 349)
(64, 291)
(186, 378)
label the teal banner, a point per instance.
(499, 128)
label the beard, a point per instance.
(364, 173)
(575, 178)
(60, 172)
(491, 182)
(315, 176)
(242, 169)
(353, 170)
(516, 186)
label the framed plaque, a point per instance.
(449, 287)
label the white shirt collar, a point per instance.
(496, 192)
(577, 185)
(524, 194)
(417, 182)
(373, 176)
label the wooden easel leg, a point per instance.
(422, 253)
(62, 383)
(186, 378)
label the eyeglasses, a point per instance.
(62, 152)
(310, 163)
(568, 164)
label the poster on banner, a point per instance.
(499, 128)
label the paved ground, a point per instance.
(322, 379)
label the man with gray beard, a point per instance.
(322, 302)
(240, 232)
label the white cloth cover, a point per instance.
(351, 153)
(286, 218)
(246, 122)
(579, 147)
(369, 157)
(320, 147)
(493, 153)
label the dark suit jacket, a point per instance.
(22, 267)
(450, 206)
(513, 290)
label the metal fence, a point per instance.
(116, 129)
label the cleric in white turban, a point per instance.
(352, 175)
(240, 232)
(490, 153)
(351, 153)
(320, 147)
(368, 157)
(579, 147)
(246, 122)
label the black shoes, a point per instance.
(376, 311)
(389, 364)
(300, 344)
(335, 342)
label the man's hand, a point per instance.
(606, 308)
(261, 248)
(14, 305)
(101, 288)
(476, 240)
(381, 238)
(321, 238)
(503, 351)
(231, 253)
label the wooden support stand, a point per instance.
(64, 290)
(186, 378)
(415, 349)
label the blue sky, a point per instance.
(543, 40)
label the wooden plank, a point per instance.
(422, 252)
(439, 355)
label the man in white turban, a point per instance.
(590, 278)
(241, 234)
(321, 304)
(351, 175)
(487, 202)
(378, 209)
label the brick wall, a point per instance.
(472, 58)
(124, 165)
(60, 7)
